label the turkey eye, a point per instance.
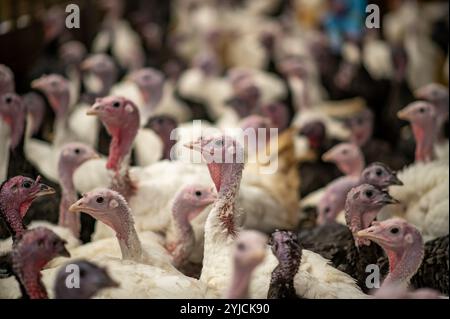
(8, 99)
(359, 121)
(394, 230)
(116, 104)
(77, 151)
(99, 200)
(241, 246)
(369, 194)
(422, 110)
(82, 273)
(40, 243)
(219, 142)
(378, 172)
(344, 152)
(198, 193)
(26, 184)
(327, 210)
(160, 121)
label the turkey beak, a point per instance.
(78, 206)
(62, 250)
(94, 109)
(94, 155)
(64, 253)
(38, 84)
(371, 233)
(394, 180)
(387, 199)
(403, 114)
(45, 190)
(366, 233)
(328, 156)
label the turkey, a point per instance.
(35, 249)
(69, 225)
(404, 246)
(286, 248)
(424, 195)
(17, 195)
(437, 94)
(92, 279)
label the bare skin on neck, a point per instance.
(12, 111)
(72, 156)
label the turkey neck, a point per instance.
(358, 168)
(129, 242)
(358, 219)
(60, 104)
(285, 271)
(151, 99)
(184, 239)
(12, 217)
(118, 159)
(403, 265)
(68, 196)
(30, 277)
(17, 125)
(240, 283)
(424, 143)
(227, 178)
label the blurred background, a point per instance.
(176, 31)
